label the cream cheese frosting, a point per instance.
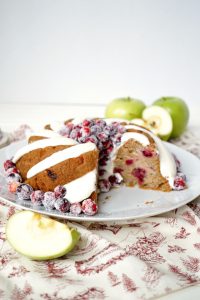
(58, 141)
(44, 133)
(81, 188)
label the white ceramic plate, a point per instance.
(122, 203)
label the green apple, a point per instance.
(125, 108)
(179, 112)
(39, 237)
(158, 120)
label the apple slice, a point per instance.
(39, 237)
(159, 121)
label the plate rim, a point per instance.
(97, 218)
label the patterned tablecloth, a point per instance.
(141, 259)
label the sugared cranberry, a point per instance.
(49, 200)
(101, 172)
(179, 183)
(115, 179)
(24, 191)
(8, 164)
(60, 191)
(104, 185)
(12, 170)
(129, 162)
(86, 122)
(102, 136)
(139, 173)
(147, 152)
(89, 207)
(13, 177)
(92, 139)
(103, 161)
(12, 187)
(85, 131)
(75, 208)
(37, 197)
(100, 122)
(62, 204)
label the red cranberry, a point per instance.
(37, 197)
(60, 191)
(118, 170)
(24, 191)
(86, 122)
(89, 207)
(104, 185)
(75, 208)
(85, 131)
(129, 162)
(12, 170)
(8, 164)
(13, 177)
(115, 179)
(147, 153)
(179, 183)
(139, 173)
(101, 172)
(62, 204)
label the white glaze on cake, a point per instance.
(60, 156)
(167, 162)
(58, 141)
(81, 188)
(44, 133)
(139, 137)
(57, 125)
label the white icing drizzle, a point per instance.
(167, 162)
(139, 137)
(57, 125)
(60, 156)
(81, 188)
(44, 133)
(58, 141)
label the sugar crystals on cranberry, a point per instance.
(49, 200)
(62, 205)
(13, 177)
(89, 207)
(24, 191)
(8, 164)
(60, 191)
(75, 208)
(37, 197)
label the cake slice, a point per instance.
(50, 162)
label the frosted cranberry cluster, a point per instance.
(106, 138)
(50, 200)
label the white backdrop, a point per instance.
(91, 51)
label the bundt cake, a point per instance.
(71, 157)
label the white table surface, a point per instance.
(14, 115)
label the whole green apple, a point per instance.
(125, 108)
(179, 112)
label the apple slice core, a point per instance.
(40, 237)
(158, 120)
